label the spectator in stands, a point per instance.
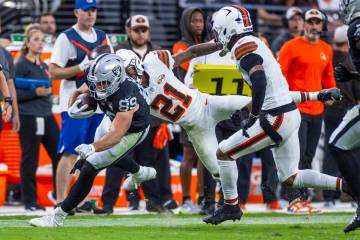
(48, 25)
(157, 192)
(68, 62)
(307, 65)
(334, 114)
(39, 125)
(294, 23)
(193, 31)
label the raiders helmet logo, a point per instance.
(117, 70)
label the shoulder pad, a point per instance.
(245, 48)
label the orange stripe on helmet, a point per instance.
(245, 14)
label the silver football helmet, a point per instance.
(132, 63)
(349, 10)
(106, 73)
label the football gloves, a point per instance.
(85, 150)
(77, 111)
(330, 94)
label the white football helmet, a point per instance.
(349, 10)
(131, 61)
(105, 75)
(230, 21)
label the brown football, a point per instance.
(87, 99)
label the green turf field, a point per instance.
(252, 226)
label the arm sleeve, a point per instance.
(328, 80)
(257, 78)
(23, 95)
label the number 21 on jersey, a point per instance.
(165, 103)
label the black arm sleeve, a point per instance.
(258, 81)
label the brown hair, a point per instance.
(29, 31)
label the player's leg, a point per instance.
(287, 158)
(344, 144)
(71, 135)
(221, 107)
(88, 172)
(205, 144)
(237, 145)
(189, 158)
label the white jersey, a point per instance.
(277, 93)
(170, 99)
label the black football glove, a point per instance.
(236, 118)
(247, 123)
(341, 73)
(330, 94)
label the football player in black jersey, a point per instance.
(345, 139)
(125, 125)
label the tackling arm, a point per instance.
(196, 51)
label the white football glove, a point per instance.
(85, 64)
(85, 150)
(75, 111)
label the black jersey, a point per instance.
(125, 99)
(354, 36)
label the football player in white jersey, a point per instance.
(273, 121)
(197, 113)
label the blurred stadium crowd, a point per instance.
(29, 29)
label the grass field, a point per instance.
(252, 226)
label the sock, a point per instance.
(128, 164)
(229, 176)
(314, 179)
(81, 187)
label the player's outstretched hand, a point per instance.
(330, 94)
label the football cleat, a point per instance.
(187, 207)
(355, 222)
(224, 213)
(55, 219)
(133, 181)
(275, 205)
(302, 207)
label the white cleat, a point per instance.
(55, 219)
(133, 181)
